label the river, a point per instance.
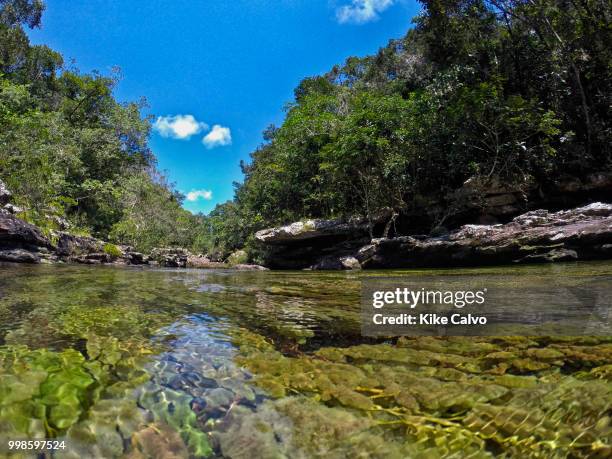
(131, 362)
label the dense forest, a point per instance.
(512, 90)
(73, 157)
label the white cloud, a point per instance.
(194, 195)
(178, 126)
(184, 127)
(219, 136)
(362, 11)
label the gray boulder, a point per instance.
(71, 246)
(538, 236)
(16, 233)
(170, 257)
(19, 256)
(20, 241)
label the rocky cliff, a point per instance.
(582, 233)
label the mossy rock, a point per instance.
(113, 251)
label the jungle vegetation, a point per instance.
(73, 155)
(512, 89)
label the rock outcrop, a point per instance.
(21, 241)
(72, 246)
(492, 198)
(312, 242)
(5, 194)
(311, 229)
(204, 262)
(89, 250)
(249, 267)
(584, 233)
(170, 257)
(489, 200)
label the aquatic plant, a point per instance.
(173, 408)
(85, 399)
(131, 363)
(526, 397)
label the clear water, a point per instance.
(129, 362)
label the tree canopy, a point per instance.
(504, 89)
(70, 151)
(511, 89)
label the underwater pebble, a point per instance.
(219, 397)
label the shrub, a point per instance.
(112, 250)
(239, 257)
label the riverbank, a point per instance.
(539, 236)
(582, 233)
(22, 242)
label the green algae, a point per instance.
(305, 429)
(172, 408)
(88, 402)
(84, 400)
(82, 348)
(58, 387)
(439, 397)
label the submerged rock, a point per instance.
(301, 428)
(428, 397)
(158, 441)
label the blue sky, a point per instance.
(215, 73)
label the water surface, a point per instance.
(132, 362)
